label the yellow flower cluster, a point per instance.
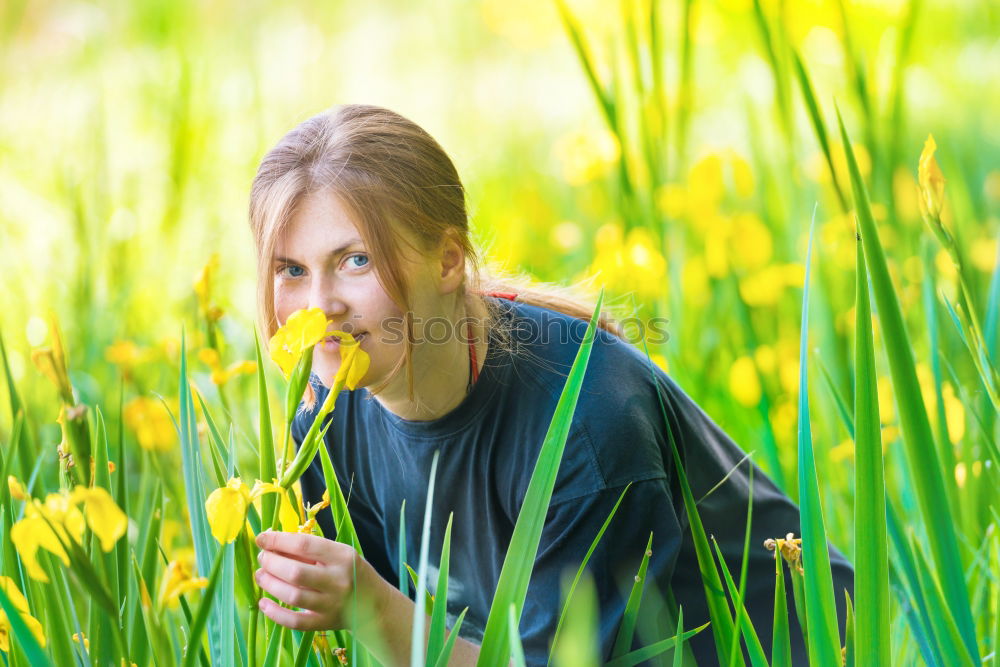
(17, 600)
(151, 423)
(58, 522)
(220, 376)
(179, 579)
(629, 264)
(227, 508)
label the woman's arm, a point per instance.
(318, 576)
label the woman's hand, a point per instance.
(318, 576)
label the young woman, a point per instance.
(360, 213)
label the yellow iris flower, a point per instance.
(354, 361)
(179, 579)
(227, 508)
(302, 330)
(60, 520)
(931, 180)
(17, 599)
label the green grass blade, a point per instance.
(757, 657)
(653, 650)
(822, 636)
(718, 608)
(943, 622)
(678, 660)
(417, 645)
(512, 586)
(819, 126)
(781, 646)
(580, 645)
(404, 582)
(921, 454)
(871, 578)
(849, 652)
(268, 465)
(338, 504)
(205, 547)
(626, 631)
(583, 565)
(516, 650)
(435, 641)
(450, 643)
(204, 611)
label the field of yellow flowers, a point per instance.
(808, 193)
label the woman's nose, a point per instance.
(323, 295)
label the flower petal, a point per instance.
(104, 517)
(227, 510)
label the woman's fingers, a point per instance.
(296, 620)
(300, 545)
(296, 596)
(293, 571)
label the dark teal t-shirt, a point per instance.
(488, 447)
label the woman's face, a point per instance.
(322, 262)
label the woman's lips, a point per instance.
(334, 341)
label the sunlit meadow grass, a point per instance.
(681, 167)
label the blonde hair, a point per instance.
(390, 175)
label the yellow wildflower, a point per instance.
(744, 384)
(17, 491)
(52, 362)
(302, 330)
(124, 353)
(104, 517)
(151, 422)
(18, 601)
(203, 289)
(86, 641)
(178, 579)
(930, 180)
(354, 361)
(59, 520)
(220, 376)
(790, 548)
(227, 510)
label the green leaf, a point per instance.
(204, 610)
(512, 586)
(718, 609)
(653, 650)
(417, 646)
(268, 465)
(435, 640)
(404, 583)
(450, 643)
(205, 547)
(781, 647)
(945, 629)
(822, 636)
(921, 454)
(626, 631)
(757, 657)
(516, 650)
(871, 547)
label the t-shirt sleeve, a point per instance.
(569, 530)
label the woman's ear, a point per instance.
(450, 263)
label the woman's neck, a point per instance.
(441, 371)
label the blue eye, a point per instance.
(291, 268)
(362, 257)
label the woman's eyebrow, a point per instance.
(332, 253)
